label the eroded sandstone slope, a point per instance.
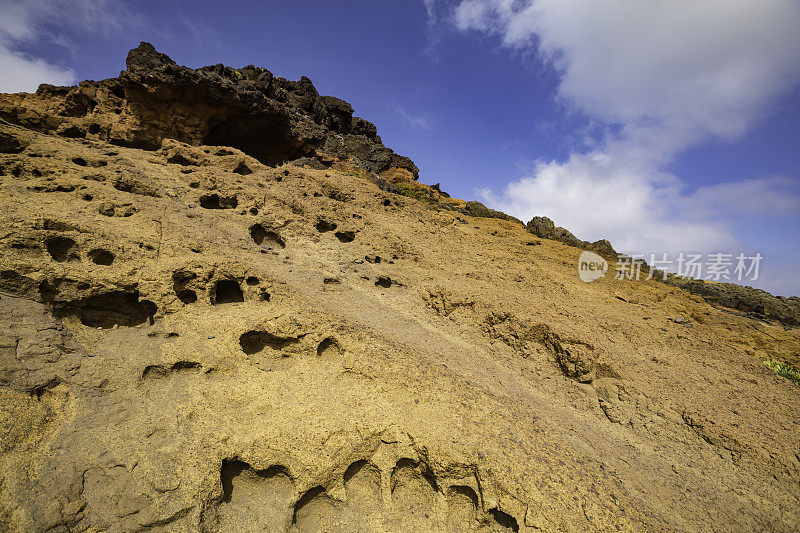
(192, 339)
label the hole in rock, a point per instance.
(354, 469)
(415, 474)
(80, 161)
(116, 308)
(230, 469)
(73, 132)
(118, 91)
(384, 281)
(325, 226)
(504, 520)
(274, 238)
(215, 201)
(181, 159)
(465, 491)
(317, 493)
(345, 236)
(258, 233)
(328, 346)
(262, 236)
(187, 296)
(101, 257)
(180, 281)
(242, 169)
(268, 137)
(253, 342)
(185, 365)
(462, 506)
(60, 248)
(235, 472)
(39, 390)
(227, 291)
(252, 280)
(162, 370)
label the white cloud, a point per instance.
(433, 36)
(666, 75)
(774, 195)
(27, 22)
(415, 121)
(19, 73)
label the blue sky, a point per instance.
(665, 126)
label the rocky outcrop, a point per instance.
(545, 228)
(477, 209)
(751, 302)
(747, 300)
(269, 118)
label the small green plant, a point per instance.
(785, 370)
(418, 193)
(355, 172)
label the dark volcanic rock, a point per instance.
(10, 144)
(752, 302)
(477, 209)
(546, 229)
(270, 118)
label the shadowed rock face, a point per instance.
(270, 118)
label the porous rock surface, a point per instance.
(194, 340)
